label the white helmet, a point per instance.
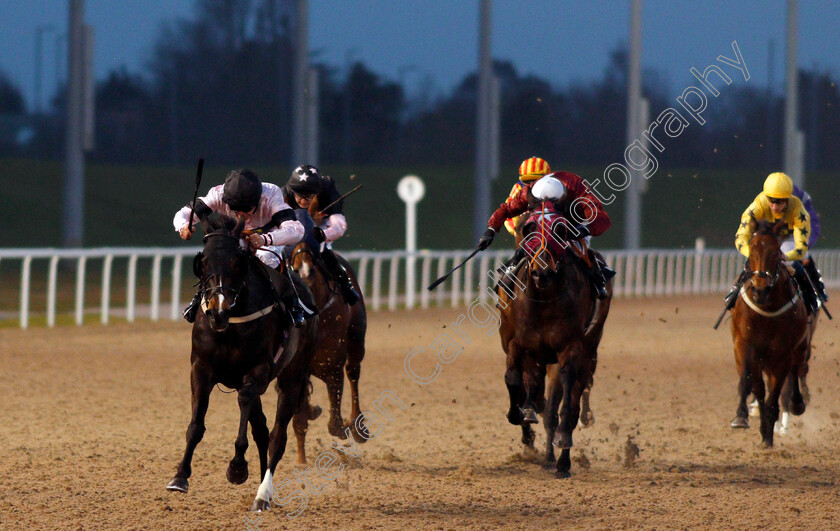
(549, 188)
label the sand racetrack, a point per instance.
(93, 420)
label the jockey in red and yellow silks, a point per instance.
(530, 171)
(567, 188)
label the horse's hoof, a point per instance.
(338, 430)
(780, 429)
(754, 411)
(740, 422)
(237, 474)
(528, 439)
(360, 434)
(767, 443)
(797, 408)
(314, 412)
(514, 416)
(562, 474)
(803, 387)
(587, 419)
(179, 484)
(562, 439)
(260, 506)
(529, 416)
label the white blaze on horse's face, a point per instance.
(217, 301)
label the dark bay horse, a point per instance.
(341, 348)
(550, 326)
(770, 333)
(243, 340)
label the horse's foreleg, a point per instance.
(201, 384)
(259, 431)
(533, 382)
(744, 361)
(289, 400)
(770, 414)
(516, 390)
(334, 380)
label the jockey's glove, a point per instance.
(486, 239)
(581, 231)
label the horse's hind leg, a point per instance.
(200, 381)
(587, 418)
(533, 381)
(237, 471)
(259, 431)
(550, 417)
(355, 354)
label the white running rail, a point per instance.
(382, 277)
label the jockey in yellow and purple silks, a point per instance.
(777, 203)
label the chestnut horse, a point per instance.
(242, 339)
(550, 323)
(341, 348)
(770, 332)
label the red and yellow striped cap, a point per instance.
(532, 169)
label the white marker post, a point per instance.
(411, 190)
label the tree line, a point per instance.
(219, 85)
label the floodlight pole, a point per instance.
(74, 164)
(633, 210)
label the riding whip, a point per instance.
(444, 277)
(340, 198)
(195, 195)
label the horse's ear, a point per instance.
(240, 224)
(206, 224)
(198, 264)
(779, 227)
(753, 223)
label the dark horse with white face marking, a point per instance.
(771, 333)
(243, 340)
(551, 324)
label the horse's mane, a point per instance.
(218, 221)
(764, 227)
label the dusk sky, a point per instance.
(561, 41)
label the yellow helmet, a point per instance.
(778, 185)
(532, 169)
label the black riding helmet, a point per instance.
(305, 180)
(243, 190)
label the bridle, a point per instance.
(333, 290)
(214, 289)
(772, 277)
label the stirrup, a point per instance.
(351, 296)
(191, 310)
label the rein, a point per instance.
(772, 279)
(333, 291)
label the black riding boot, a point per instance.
(809, 295)
(732, 296)
(599, 282)
(191, 310)
(816, 278)
(348, 291)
